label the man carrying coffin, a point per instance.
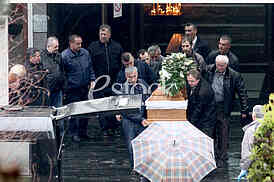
(201, 108)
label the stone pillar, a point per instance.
(4, 60)
(39, 23)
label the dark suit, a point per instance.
(201, 47)
(201, 108)
(233, 59)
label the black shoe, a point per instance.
(85, 137)
(76, 138)
(105, 133)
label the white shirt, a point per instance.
(194, 41)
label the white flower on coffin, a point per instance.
(182, 74)
(165, 74)
(174, 71)
(189, 62)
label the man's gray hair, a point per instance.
(152, 50)
(105, 26)
(258, 110)
(50, 41)
(158, 49)
(222, 58)
(130, 69)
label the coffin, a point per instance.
(166, 108)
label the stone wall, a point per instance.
(3, 60)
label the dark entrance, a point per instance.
(85, 20)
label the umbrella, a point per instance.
(173, 151)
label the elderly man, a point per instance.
(201, 107)
(52, 62)
(198, 45)
(106, 56)
(224, 49)
(144, 71)
(250, 129)
(80, 78)
(133, 124)
(17, 75)
(155, 61)
(225, 83)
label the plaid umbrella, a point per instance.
(173, 151)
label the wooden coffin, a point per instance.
(166, 114)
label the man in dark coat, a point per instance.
(52, 62)
(133, 124)
(224, 49)
(201, 107)
(198, 45)
(38, 95)
(225, 82)
(106, 56)
(80, 78)
(190, 53)
(155, 60)
(144, 71)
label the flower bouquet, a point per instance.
(174, 72)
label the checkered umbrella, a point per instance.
(173, 151)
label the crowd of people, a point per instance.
(69, 76)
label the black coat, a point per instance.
(35, 95)
(233, 59)
(201, 47)
(201, 108)
(233, 83)
(103, 66)
(144, 72)
(55, 77)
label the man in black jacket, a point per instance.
(224, 49)
(190, 53)
(225, 83)
(198, 45)
(201, 107)
(52, 62)
(106, 56)
(144, 71)
(37, 95)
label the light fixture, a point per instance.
(166, 9)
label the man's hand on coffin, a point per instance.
(92, 84)
(145, 123)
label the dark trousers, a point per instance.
(106, 121)
(77, 126)
(221, 133)
(208, 131)
(56, 100)
(131, 130)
